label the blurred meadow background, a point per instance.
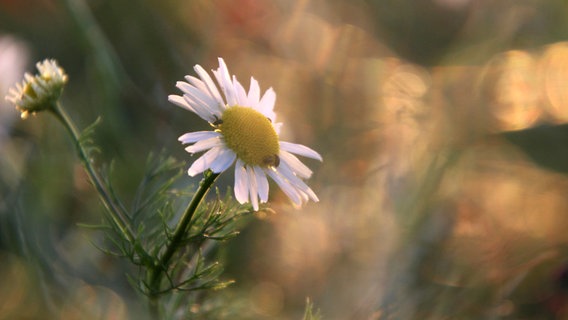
(443, 125)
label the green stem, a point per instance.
(118, 217)
(155, 276)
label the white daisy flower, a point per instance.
(245, 134)
(39, 92)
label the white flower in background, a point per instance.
(14, 57)
(245, 133)
(39, 92)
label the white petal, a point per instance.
(211, 87)
(185, 87)
(199, 101)
(204, 162)
(192, 137)
(296, 182)
(254, 92)
(253, 188)
(240, 92)
(214, 103)
(266, 104)
(224, 80)
(223, 160)
(277, 127)
(262, 183)
(295, 164)
(300, 149)
(38, 87)
(206, 144)
(270, 115)
(199, 108)
(199, 96)
(241, 182)
(288, 189)
(180, 102)
(196, 82)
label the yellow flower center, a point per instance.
(251, 136)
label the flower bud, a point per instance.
(39, 92)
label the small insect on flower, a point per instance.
(246, 134)
(217, 122)
(272, 160)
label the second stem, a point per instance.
(159, 269)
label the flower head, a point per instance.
(245, 133)
(39, 92)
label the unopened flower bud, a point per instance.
(39, 92)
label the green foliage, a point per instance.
(153, 217)
(309, 311)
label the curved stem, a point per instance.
(161, 267)
(118, 217)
